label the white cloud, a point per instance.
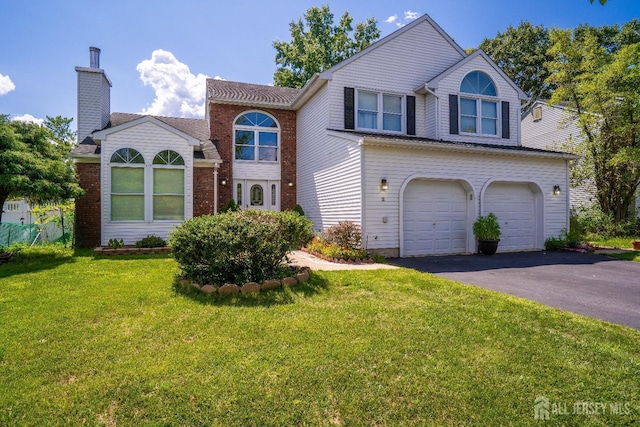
(29, 118)
(391, 19)
(409, 15)
(178, 91)
(6, 85)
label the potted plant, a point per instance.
(486, 229)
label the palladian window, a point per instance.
(256, 137)
(478, 104)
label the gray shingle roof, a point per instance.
(196, 128)
(244, 93)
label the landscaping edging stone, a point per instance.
(250, 287)
(130, 250)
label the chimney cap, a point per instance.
(94, 57)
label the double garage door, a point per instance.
(435, 217)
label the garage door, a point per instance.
(434, 218)
(514, 205)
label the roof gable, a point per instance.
(433, 83)
(224, 91)
(100, 135)
(327, 74)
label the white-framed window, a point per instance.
(127, 185)
(130, 195)
(168, 186)
(256, 138)
(379, 111)
(478, 105)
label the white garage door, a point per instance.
(514, 205)
(434, 218)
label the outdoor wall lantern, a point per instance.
(384, 186)
(556, 190)
(290, 184)
(223, 181)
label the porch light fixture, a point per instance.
(384, 186)
(556, 190)
(223, 181)
(290, 184)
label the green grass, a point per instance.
(629, 256)
(613, 242)
(107, 341)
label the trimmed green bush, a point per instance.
(151, 241)
(298, 210)
(487, 227)
(230, 206)
(237, 247)
(554, 243)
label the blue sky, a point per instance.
(157, 53)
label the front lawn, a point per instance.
(107, 341)
(614, 242)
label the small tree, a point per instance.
(318, 44)
(33, 166)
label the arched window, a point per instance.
(168, 186)
(127, 185)
(478, 106)
(256, 137)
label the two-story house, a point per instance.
(411, 138)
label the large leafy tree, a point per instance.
(317, 44)
(596, 72)
(33, 165)
(522, 53)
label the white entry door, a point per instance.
(257, 194)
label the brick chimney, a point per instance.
(94, 96)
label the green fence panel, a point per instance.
(21, 233)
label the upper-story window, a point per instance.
(256, 137)
(379, 111)
(478, 104)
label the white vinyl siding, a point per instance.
(399, 165)
(328, 182)
(450, 85)
(149, 139)
(556, 131)
(396, 67)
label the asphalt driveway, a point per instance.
(593, 285)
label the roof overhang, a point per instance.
(426, 144)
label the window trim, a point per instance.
(380, 113)
(148, 167)
(479, 117)
(256, 135)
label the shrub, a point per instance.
(237, 247)
(298, 209)
(554, 243)
(333, 250)
(231, 206)
(592, 221)
(486, 227)
(151, 241)
(346, 234)
(115, 243)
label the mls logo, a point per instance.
(541, 408)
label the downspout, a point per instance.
(215, 188)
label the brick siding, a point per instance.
(88, 218)
(221, 118)
(203, 191)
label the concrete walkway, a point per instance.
(304, 259)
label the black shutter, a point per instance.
(453, 114)
(411, 115)
(505, 120)
(349, 112)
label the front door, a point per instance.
(262, 195)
